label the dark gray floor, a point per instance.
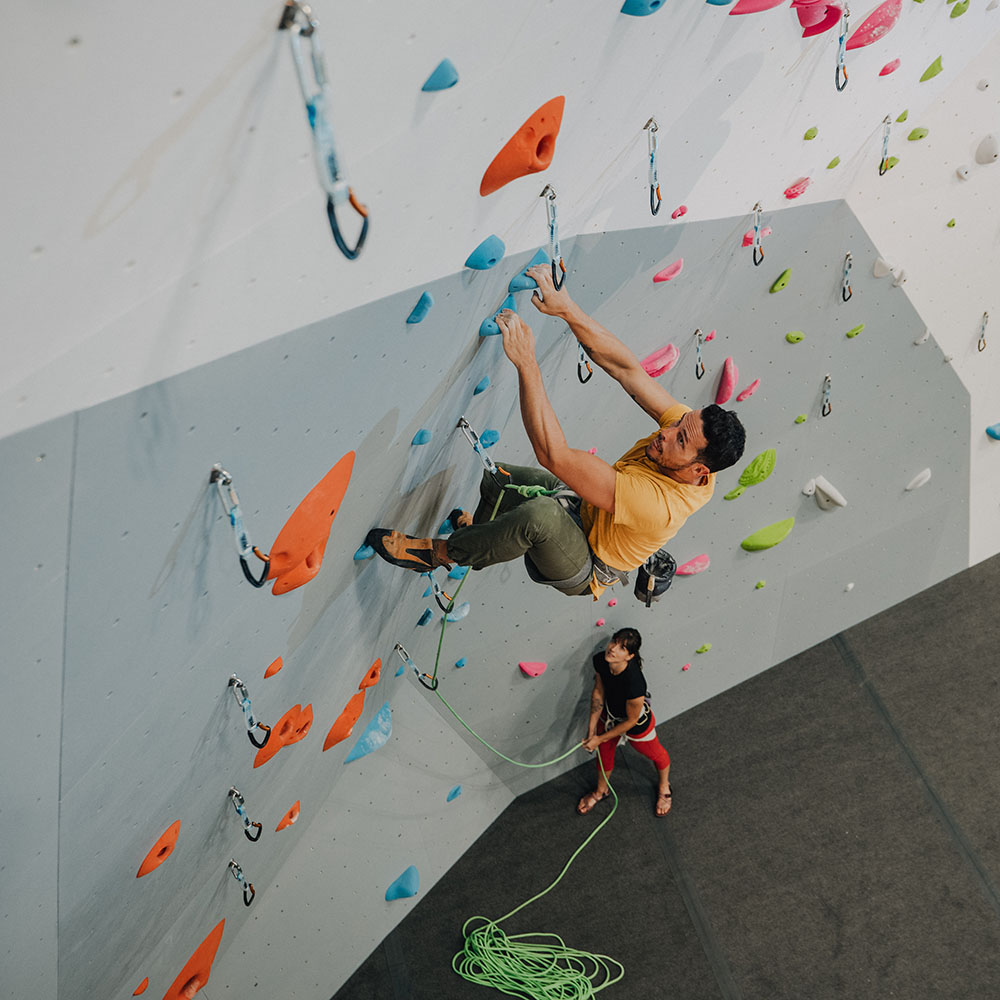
(835, 834)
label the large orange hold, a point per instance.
(161, 850)
(195, 974)
(297, 553)
(344, 725)
(529, 150)
(290, 728)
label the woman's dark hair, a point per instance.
(725, 436)
(631, 640)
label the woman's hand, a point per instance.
(591, 743)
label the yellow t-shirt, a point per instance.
(649, 508)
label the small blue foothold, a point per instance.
(399, 672)
(461, 663)
(427, 592)
(719, 3)
(454, 793)
(421, 309)
(640, 8)
(459, 613)
(446, 527)
(421, 437)
(487, 254)
(458, 572)
(482, 386)
(444, 76)
(994, 432)
(489, 328)
(426, 616)
(375, 736)
(489, 437)
(521, 282)
(365, 552)
(408, 884)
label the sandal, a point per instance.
(668, 796)
(589, 801)
(404, 550)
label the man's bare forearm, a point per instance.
(539, 419)
(601, 345)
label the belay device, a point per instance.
(654, 577)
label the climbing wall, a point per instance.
(177, 302)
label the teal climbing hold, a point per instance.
(487, 254)
(768, 537)
(482, 385)
(994, 432)
(408, 884)
(399, 672)
(781, 280)
(365, 552)
(459, 613)
(719, 3)
(458, 572)
(427, 592)
(795, 337)
(489, 437)
(641, 8)
(375, 736)
(461, 662)
(454, 793)
(444, 76)
(854, 331)
(425, 617)
(421, 309)
(421, 437)
(489, 327)
(521, 282)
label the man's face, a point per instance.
(676, 447)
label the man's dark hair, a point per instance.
(725, 436)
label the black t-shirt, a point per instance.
(620, 688)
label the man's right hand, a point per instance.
(547, 300)
(518, 340)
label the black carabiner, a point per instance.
(433, 686)
(699, 370)
(267, 736)
(826, 410)
(262, 579)
(883, 166)
(580, 365)
(556, 280)
(331, 212)
(654, 207)
(260, 830)
(849, 293)
(253, 892)
(757, 261)
(837, 76)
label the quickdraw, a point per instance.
(842, 49)
(758, 248)
(427, 680)
(583, 365)
(555, 254)
(243, 880)
(655, 198)
(299, 21)
(982, 333)
(240, 805)
(826, 409)
(846, 292)
(231, 506)
(699, 365)
(883, 164)
(477, 446)
(242, 696)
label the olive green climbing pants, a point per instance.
(540, 528)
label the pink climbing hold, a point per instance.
(727, 382)
(697, 565)
(799, 187)
(687, 666)
(612, 602)
(755, 6)
(709, 336)
(670, 271)
(876, 24)
(660, 361)
(530, 669)
(591, 451)
(748, 391)
(599, 623)
(748, 236)
(817, 16)
(889, 67)
(679, 211)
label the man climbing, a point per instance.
(612, 518)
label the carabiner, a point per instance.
(242, 696)
(242, 879)
(842, 50)
(655, 199)
(883, 165)
(423, 678)
(827, 408)
(846, 292)
(231, 506)
(240, 805)
(439, 592)
(350, 253)
(699, 365)
(583, 364)
(758, 246)
(982, 333)
(555, 253)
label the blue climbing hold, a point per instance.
(365, 552)
(994, 432)
(421, 437)
(487, 254)
(444, 76)
(375, 736)
(489, 437)
(640, 8)
(427, 592)
(425, 617)
(454, 793)
(459, 613)
(488, 327)
(719, 3)
(400, 671)
(458, 573)
(446, 527)
(421, 309)
(521, 282)
(461, 662)
(408, 884)
(482, 385)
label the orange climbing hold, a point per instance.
(290, 728)
(529, 150)
(344, 725)
(371, 678)
(290, 817)
(274, 667)
(297, 553)
(161, 850)
(302, 725)
(195, 974)
(141, 988)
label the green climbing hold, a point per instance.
(917, 133)
(932, 70)
(759, 469)
(834, 162)
(734, 493)
(854, 331)
(951, 223)
(705, 648)
(767, 537)
(759, 585)
(903, 116)
(801, 418)
(891, 162)
(960, 8)
(795, 337)
(812, 131)
(781, 280)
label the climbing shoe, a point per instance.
(406, 551)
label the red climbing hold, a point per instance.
(670, 271)
(754, 6)
(727, 383)
(878, 23)
(799, 187)
(195, 973)
(748, 391)
(889, 67)
(529, 150)
(161, 850)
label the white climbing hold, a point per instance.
(898, 278)
(963, 172)
(983, 84)
(988, 150)
(848, 588)
(918, 480)
(882, 268)
(922, 339)
(827, 495)
(809, 489)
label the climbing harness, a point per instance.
(654, 181)
(826, 408)
(298, 20)
(240, 805)
(583, 365)
(883, 164)
(479, 448)
(982, 333)
(231, 506)
(842, 49)
(242, 696)
(555, 254)
(846, 292)
(699, 365)
(758, 248)
(243, 880)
